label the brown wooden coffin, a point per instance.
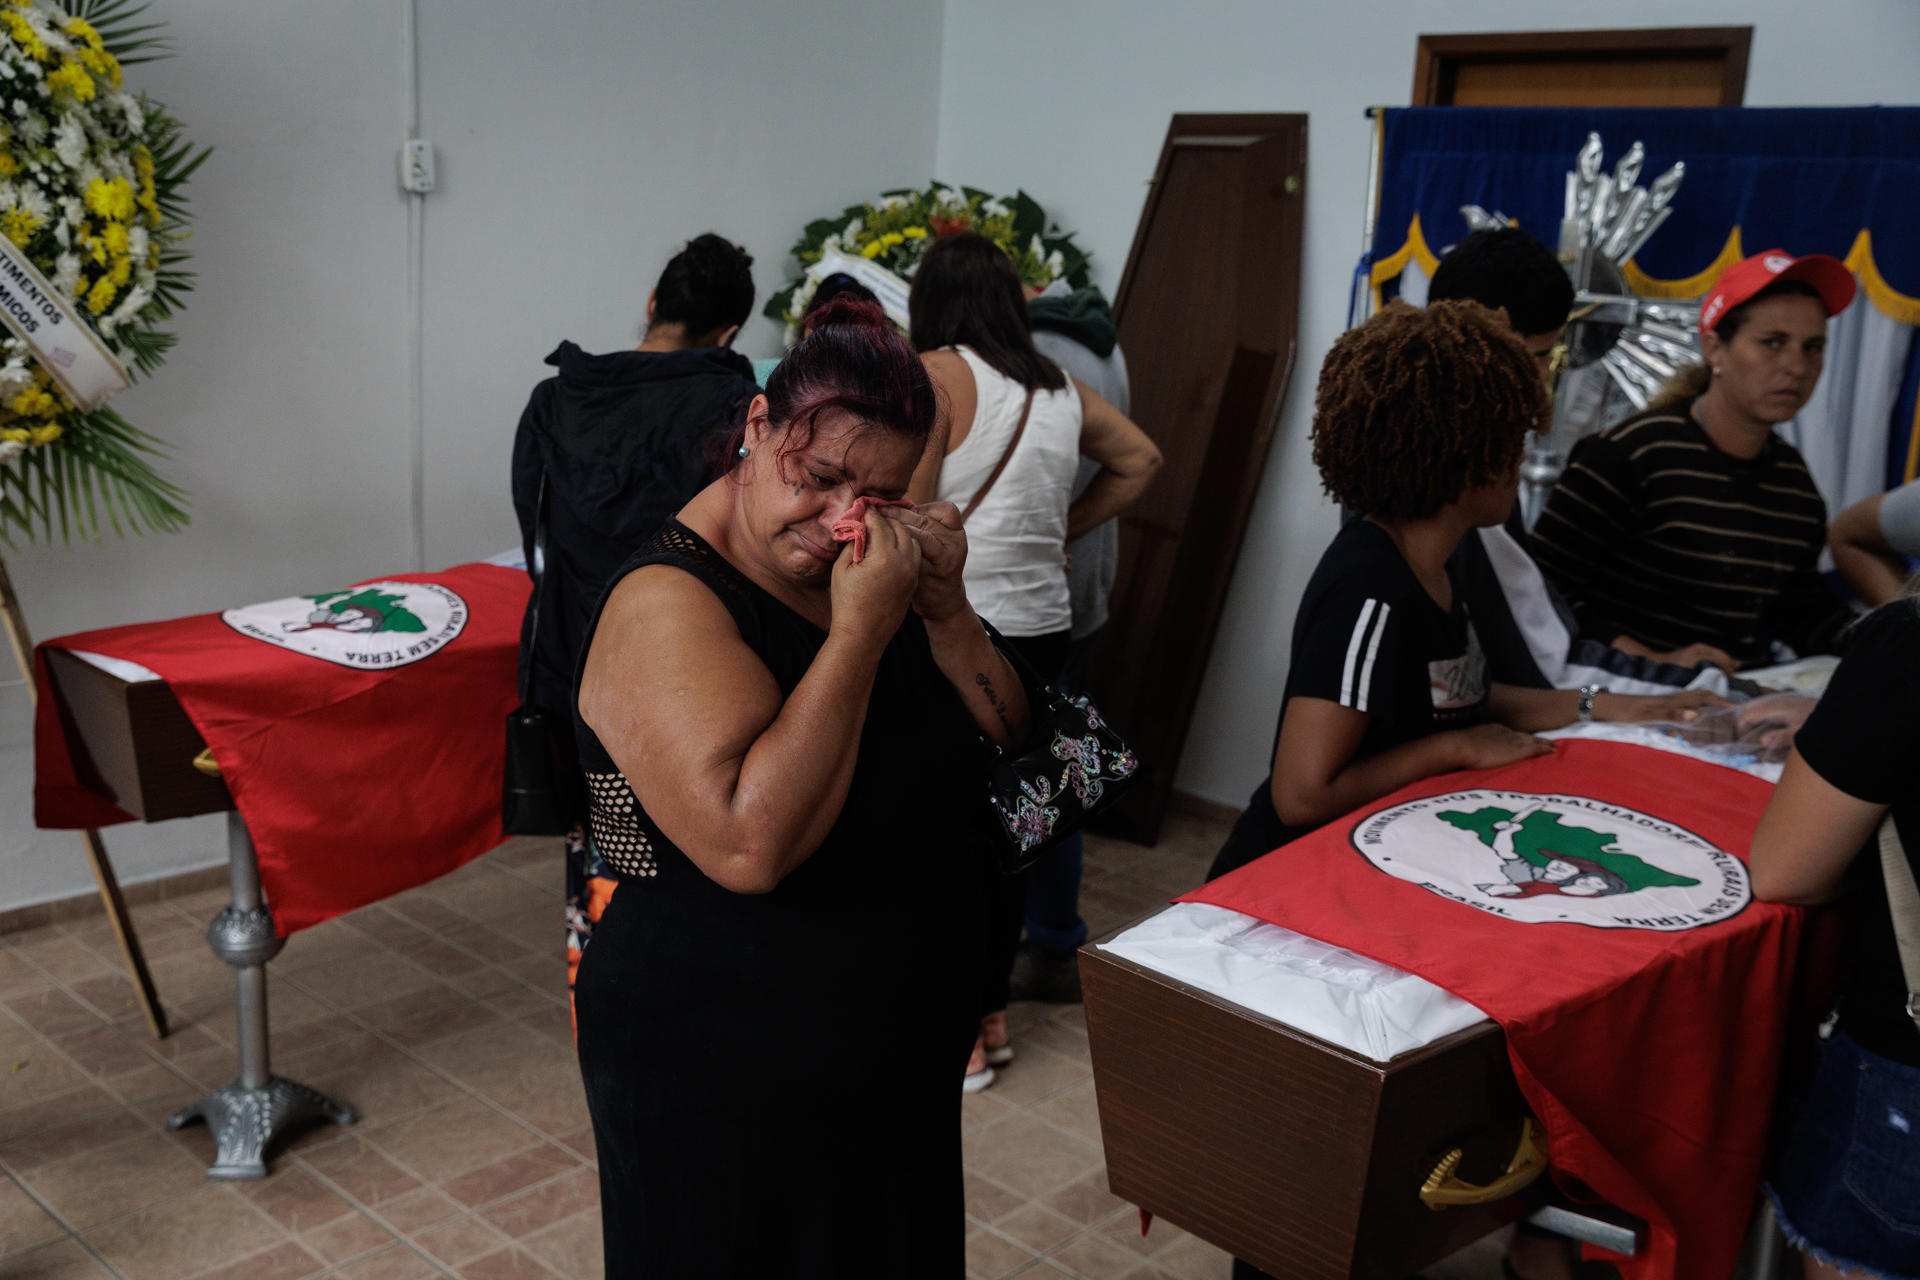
(132, 742)
(1298, 1156)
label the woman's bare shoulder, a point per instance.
(665, 644)
(659, 616)
(659, 601)
(947, 365)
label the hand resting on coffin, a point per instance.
(1535, 709)
(1778, 715)
(1319, 775)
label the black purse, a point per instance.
(1074, 767)
(532, 801)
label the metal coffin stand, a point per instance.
(1309, 1161)
(133, 743)
(247, 1114)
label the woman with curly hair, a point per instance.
(1420, 422)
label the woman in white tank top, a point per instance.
(1016, 428)
(1016, 537)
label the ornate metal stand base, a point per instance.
(245, 1120)
(246, 1114)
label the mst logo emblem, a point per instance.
(1540, 859)
(383, 624)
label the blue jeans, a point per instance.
(1846, 1175)
(1053, 883)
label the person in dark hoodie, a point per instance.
(1075, 329)
(607, 449)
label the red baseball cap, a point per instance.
(1829, 277)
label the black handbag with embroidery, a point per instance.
(1074, 766)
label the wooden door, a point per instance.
(1208, 311)
(1656, 67)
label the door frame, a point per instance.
(1437, 58)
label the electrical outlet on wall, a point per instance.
(416, 166)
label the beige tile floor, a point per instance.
(441, 1016)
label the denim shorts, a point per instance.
(1846, 1176)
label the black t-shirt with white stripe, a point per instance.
(1656, 533)
(1368, 636)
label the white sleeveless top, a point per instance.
(1016, 572)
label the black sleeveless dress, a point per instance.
(774, 1079)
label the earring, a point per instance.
(743, 451)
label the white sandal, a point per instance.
(979, 1075)
(997, 1055)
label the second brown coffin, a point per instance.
(1296, 1155)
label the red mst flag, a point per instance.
(1595, 903)
(360, 730)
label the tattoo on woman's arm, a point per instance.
(993, 700)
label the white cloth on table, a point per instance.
(1325, 991)
(131, 672)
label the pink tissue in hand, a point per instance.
(852, 524)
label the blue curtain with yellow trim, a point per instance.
(1841, 181)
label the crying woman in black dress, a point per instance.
(784, 754)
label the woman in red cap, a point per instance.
(1692, 522)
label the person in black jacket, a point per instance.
(606, 451)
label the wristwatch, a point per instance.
(1587, 692)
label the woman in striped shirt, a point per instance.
(1693, 522)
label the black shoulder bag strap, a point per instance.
(537, 570)
(531, 802)
(1019, 429)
